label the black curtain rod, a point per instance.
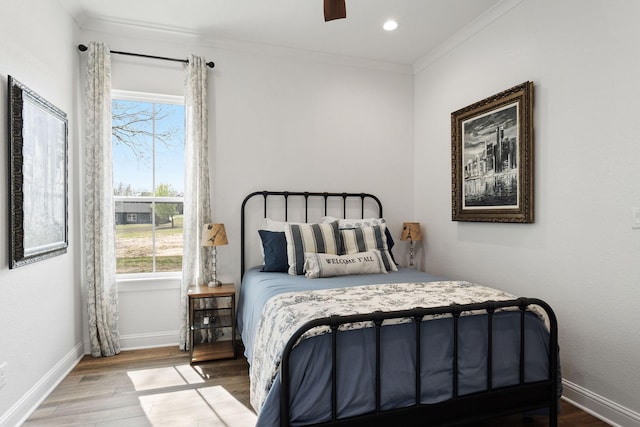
(210, 64)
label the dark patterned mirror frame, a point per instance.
(38, 177)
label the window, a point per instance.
(148, 181)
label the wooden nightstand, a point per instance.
(212, 311)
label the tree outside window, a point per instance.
(148, 173)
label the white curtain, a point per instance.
(196, 264)
(98, 209)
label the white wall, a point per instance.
(581, 255)
(40, 304)
(279, 120)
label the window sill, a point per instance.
(150, 282)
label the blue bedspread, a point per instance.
(258, 287)
(311, 358)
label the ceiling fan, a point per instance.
(334, 9)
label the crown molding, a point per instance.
(176, 35)
(465, 33)
(307, 55)
(104, 24)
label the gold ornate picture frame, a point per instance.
(492, 158)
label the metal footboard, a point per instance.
(494, 401)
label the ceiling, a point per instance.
(299, 24)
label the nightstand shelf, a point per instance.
(213, 351)
(211, 315)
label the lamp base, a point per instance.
(411, 264)
(214, 283)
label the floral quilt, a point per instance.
(286, 313)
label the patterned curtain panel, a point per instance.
(196, 264)
(98, 218)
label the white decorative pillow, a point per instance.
(363, 239)
(325, 265)
(273, 225)
(316, 238)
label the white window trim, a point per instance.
(147, 199)
(129, 95)
(150, 280)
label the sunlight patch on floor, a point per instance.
(207, 406)
(150, 379)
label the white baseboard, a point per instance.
(598, 406)
(28, 403)
(140, 341)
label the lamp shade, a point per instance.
(411, 231)
(214, 235)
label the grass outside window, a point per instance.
(135, 250)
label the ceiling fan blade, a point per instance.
(334, 9)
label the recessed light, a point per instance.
(390, 25)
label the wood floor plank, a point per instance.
(158, 387)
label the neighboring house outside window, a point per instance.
(133, 218)
(148, 180)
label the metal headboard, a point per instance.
(306, 195)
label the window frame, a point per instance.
(128, 95)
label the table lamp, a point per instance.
(412, 232)
(214, 235)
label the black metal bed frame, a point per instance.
(306, 195)
(460, 409)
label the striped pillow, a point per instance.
(368, 238)
(345, 223)
(315, 238)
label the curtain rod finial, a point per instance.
(82, 48)
(211, 64)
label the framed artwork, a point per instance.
(38, 177)
(492, 158)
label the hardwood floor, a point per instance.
(154, 387)
(158, 387)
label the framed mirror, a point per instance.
(38, 199)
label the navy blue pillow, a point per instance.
(390, 243)
(274, 244)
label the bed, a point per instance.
(399, 347)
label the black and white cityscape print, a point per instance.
(490, 159)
